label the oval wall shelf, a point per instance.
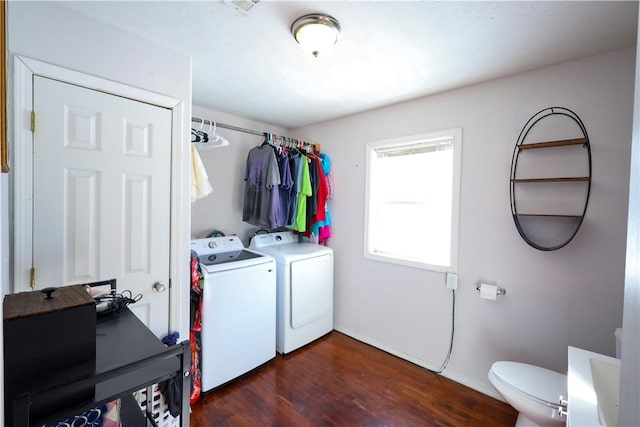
(538, 202)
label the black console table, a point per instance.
(128, 358)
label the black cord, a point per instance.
(131, 299)
(111, 302)
(453, 331)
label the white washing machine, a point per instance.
(238, 309)
(305, 288)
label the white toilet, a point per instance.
(533, 391)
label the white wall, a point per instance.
(629, 414)
(222, 209)
(573, 296)
(48, 32)
(51, 33)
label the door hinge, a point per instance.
(33, 121)
(33, 278)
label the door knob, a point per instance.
(159, 287)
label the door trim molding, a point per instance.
(88, 81)
(24, 71)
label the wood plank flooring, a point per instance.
(339, 381)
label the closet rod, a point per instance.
(199, 120)
(226, 126)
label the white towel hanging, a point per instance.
(200, 185)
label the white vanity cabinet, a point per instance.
(593, 386)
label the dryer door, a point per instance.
(311, 289)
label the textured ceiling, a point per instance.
(248, 64)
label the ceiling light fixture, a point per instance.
(316, 32)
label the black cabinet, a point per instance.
(48, 335)
(128, 358)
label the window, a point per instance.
(412, 200)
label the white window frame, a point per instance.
(456, 135)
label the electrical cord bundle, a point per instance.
(113, 302)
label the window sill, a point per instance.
(407, 262)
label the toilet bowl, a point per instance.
(533, 391)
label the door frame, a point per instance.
(24, 71)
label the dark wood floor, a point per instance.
(338, 381)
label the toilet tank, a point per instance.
(618, 342)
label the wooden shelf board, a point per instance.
(567, 179)
(548, 144)
(551, 215)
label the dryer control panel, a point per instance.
(278, 238)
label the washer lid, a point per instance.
(223, 258)
(540, 383)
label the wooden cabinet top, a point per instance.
(26, 304)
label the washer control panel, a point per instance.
(216, 245)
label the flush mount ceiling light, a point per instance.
(316, 32)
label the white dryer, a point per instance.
(305, 288)
(238, 309)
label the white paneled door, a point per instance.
(101, 194)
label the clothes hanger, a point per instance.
(202, 133)
(214, 136)
(220, 141)
(194, 136)
(211, 137)
(277, 145)
(204, 141)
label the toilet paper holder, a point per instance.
(500, 291)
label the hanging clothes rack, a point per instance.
(286, 141)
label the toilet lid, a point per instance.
(539, 383)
